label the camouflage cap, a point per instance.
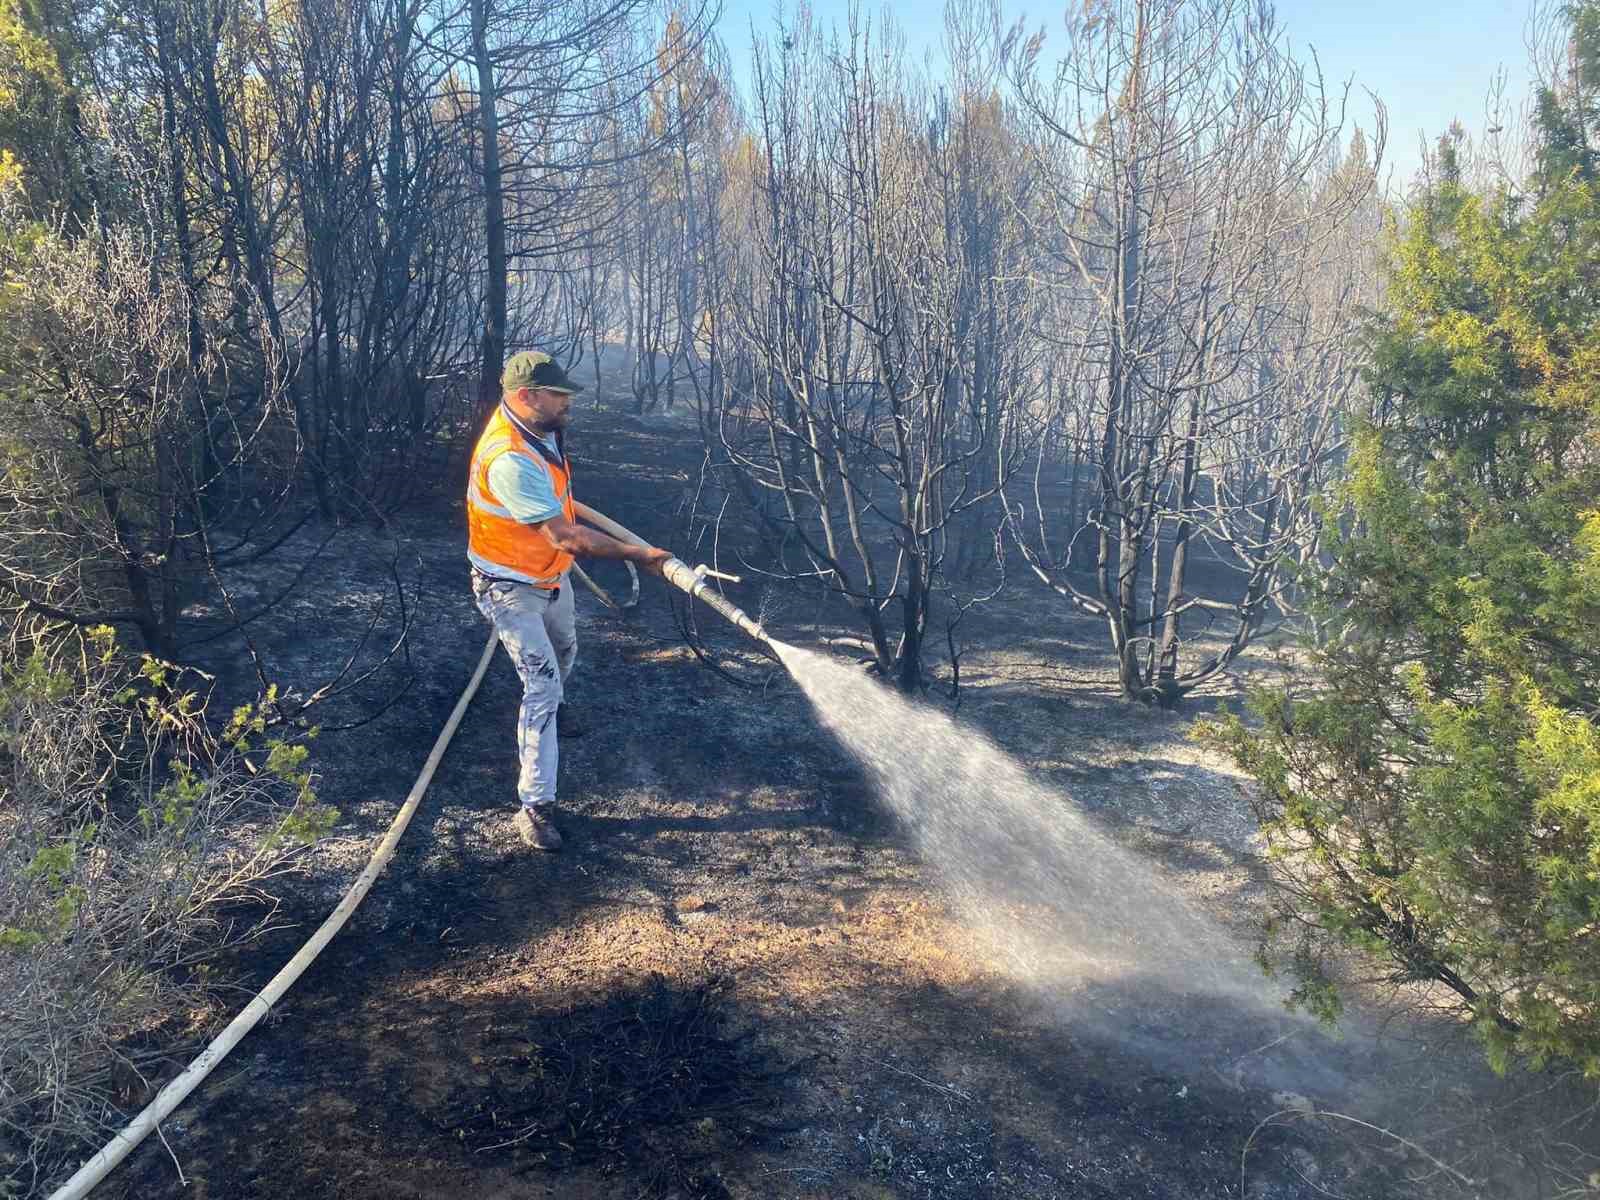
(535, 369)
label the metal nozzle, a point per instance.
(693, 580)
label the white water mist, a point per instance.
(1110, 947)
(1062, 904)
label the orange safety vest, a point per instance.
(498, 544)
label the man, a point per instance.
(522, 535)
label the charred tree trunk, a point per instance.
(492, 348)
(1120, 508)
(1167, 691)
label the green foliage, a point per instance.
(1434, 798)
(308, 820)
(34, 679)
(285, 761)
(39, 53)
(124, 823)
(59, 896)
(1563, 120)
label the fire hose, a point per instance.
(682, 576)
(692, 580)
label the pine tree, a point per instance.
(43, 141)
(1434, 799)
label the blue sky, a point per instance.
(1431, 63)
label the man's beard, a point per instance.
(553, 423)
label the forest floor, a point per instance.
(737, 980)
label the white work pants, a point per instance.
(537, 629)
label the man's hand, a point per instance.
(654, 559)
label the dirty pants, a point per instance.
(536, 627)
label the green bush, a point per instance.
(1430, 789)
(133, 848)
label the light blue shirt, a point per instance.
(524, 486)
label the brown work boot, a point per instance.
(536, 829)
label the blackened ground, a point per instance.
(735, 981)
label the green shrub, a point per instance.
(1430, 790)
(128, 832)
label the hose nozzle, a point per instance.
(693, 581)
(682, 576)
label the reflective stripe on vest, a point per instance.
(497, 543)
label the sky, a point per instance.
(1430, 62)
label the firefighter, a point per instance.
(522, 535)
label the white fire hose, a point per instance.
(680, 574)
(169, 1097)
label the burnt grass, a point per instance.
(649, 1084)
(736, 981)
